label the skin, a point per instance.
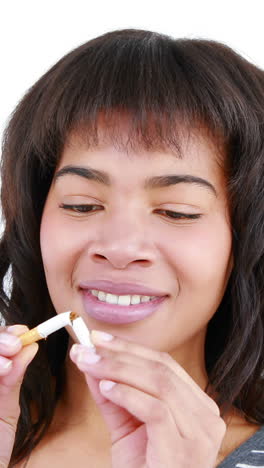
(11, 377)
(161, 376)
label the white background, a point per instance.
(34, 35)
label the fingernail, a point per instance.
(5, 363)
(17, 329)
(106, 385)
(88, 358)
(84, 354)
(74, 350)
(101, 336)
(77, 349)
(9, 340)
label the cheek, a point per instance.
(59, 246)
(200, 253)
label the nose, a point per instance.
(122, 241)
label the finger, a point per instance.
(167, 446)
(19, 364)
(5, 366)
(150, 377)
(9, 344)
(17, 329)
(117, 418)
(9, 397)
(145, 408)
(117, 344)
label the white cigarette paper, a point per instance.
(81, 331)
(54, 324)
(71, 319)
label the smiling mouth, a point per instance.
(122, 300)
(116, 313)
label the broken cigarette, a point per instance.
(56, 323)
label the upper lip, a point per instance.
(121, 288)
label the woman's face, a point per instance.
(130, 235)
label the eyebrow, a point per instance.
(85, 172)
(150, 183)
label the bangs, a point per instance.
(138, 91)
(129, 134)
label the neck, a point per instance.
(76, 411)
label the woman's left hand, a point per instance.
(157, 415)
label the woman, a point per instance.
(132, 171)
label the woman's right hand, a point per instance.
(14, 360)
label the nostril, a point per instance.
(143, 261)
(139, 260)
(99, 257)
(120, 260)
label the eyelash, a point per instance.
(77, 208)
(83, 209)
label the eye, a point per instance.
(176, 215)
(79, 208)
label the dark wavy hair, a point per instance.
(162, 84)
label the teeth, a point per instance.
(124, 300)
(111, 298)
(101, 296)
(135, 299)
(121, 300)
(145, 298)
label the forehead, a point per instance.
(196, 151)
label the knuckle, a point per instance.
(159, 411)
(159, 367)
(214, 432)
(163, 378)
(117, 366)
(221, 427)
(215, 407)
(202, 446)
(171, 363)
(165, 358)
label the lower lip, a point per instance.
(112, 313)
